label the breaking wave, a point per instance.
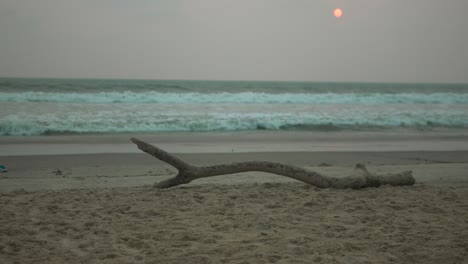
(103, 122)
(244, 97)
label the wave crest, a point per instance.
(28, 125)
(245, 97)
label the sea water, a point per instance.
(54, 106)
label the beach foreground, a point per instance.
(98, 206)
(249, 223)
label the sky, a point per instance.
(289, 40)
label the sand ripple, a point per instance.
(254, 223)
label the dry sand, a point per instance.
(254, 223)
(100, 208)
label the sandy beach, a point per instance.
(238, 132)
(88, 199)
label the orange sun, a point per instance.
(338, 12)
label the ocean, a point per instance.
(75, 106)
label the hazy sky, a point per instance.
(375, 40)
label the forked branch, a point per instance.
(361, 177)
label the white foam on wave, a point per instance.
(244, 97)
(141, 121)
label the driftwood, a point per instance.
(361, 178)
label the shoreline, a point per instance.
(248, 141)
(117, 170)
(108, 161)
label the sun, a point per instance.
(338, 12)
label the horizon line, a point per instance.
(230, 80)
